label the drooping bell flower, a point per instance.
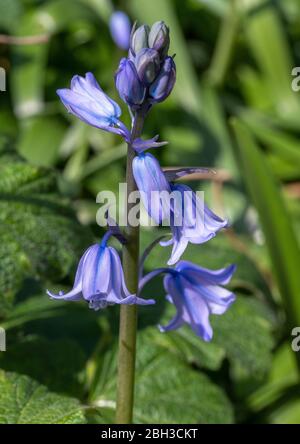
(100, 280)
(153, 186)
(87, 101)
(197, 293)
(191, 221)
(128, 84)
(120, 29)
(162, 86)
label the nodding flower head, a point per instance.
(100, 280)
(197, 293)
(120, 27)
(86, 100)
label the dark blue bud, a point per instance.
(159, 38)
(139, 39)
(128, 84)
(164, 83)
(147, 63)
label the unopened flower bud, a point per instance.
(159, 38)
(147, 64)
(164, 83)
(128, 84)
(139, 39)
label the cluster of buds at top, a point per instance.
(148, 75)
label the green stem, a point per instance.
(225, 44)
(128, 313)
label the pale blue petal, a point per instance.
(197, 314)
(201, 275)
(174, 324)
(96, 276)
(115, 290)
(73, 295)
(151, 181)
(89, 88)
(179, 247)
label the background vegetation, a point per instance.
(232, 109)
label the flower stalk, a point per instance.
(128, 314)
(225, 45)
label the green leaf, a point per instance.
(289, 413)
(45, 132)
(243, 335)
(33, 308)
(167, 391)
(283, 375)
(189, 347)
(40, 235)
(34, 356)
(218, 7)
(279, 234)
(272, 54)
(24, 401)
(10, 11)
(29, 63)
(279, 142)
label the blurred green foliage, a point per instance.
(234, 59)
